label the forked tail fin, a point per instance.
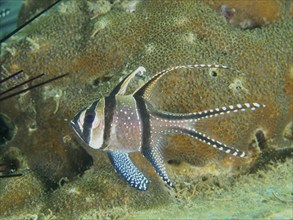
(214, 143)
(185, 124)
(219, 111)
(194, 117)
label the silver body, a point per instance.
(126, 129)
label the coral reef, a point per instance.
(267, 199)
(20, 194)
(100, 189)
(99, 46)
(250, 14)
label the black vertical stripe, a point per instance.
(89, 117)
(145, 121)
(110, 106)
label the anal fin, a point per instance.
(124, 166)
(154, 156)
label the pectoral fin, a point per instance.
(124, 166)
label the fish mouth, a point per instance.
(73, 124)
(76, 127)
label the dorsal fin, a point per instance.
(120, 89)
(142, 90)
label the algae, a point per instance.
(253, 196)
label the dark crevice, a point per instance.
(8, 166)
(269, 156)
(213, 73)
(53, 177)
(7, 129)
(174, 162)
(264, 154)
(99, 80)
(261, 140)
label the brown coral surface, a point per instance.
(98, 43)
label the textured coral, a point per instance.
(99, 47)
(250, 14)
(100, 189)
(20, 193)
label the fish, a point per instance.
(122, 124)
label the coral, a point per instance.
(100, 189)
(157, 34)
(19, 194)
(267, 199)
(98, 8)
(250, 14)
(22, 193)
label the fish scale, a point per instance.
(127, 125)
(122, 124)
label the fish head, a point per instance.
(89, 124)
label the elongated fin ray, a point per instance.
(124, 166)
(229, 109)
(191, 118)
(120, 89)
(153, 153)
(216, 144)
(209, 113)
(145, 88)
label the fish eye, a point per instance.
(89, 118)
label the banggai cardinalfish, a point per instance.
(121, 124)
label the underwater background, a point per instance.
(99, 42)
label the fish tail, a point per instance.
(192, 118)
(214, 143)
(223, 110)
